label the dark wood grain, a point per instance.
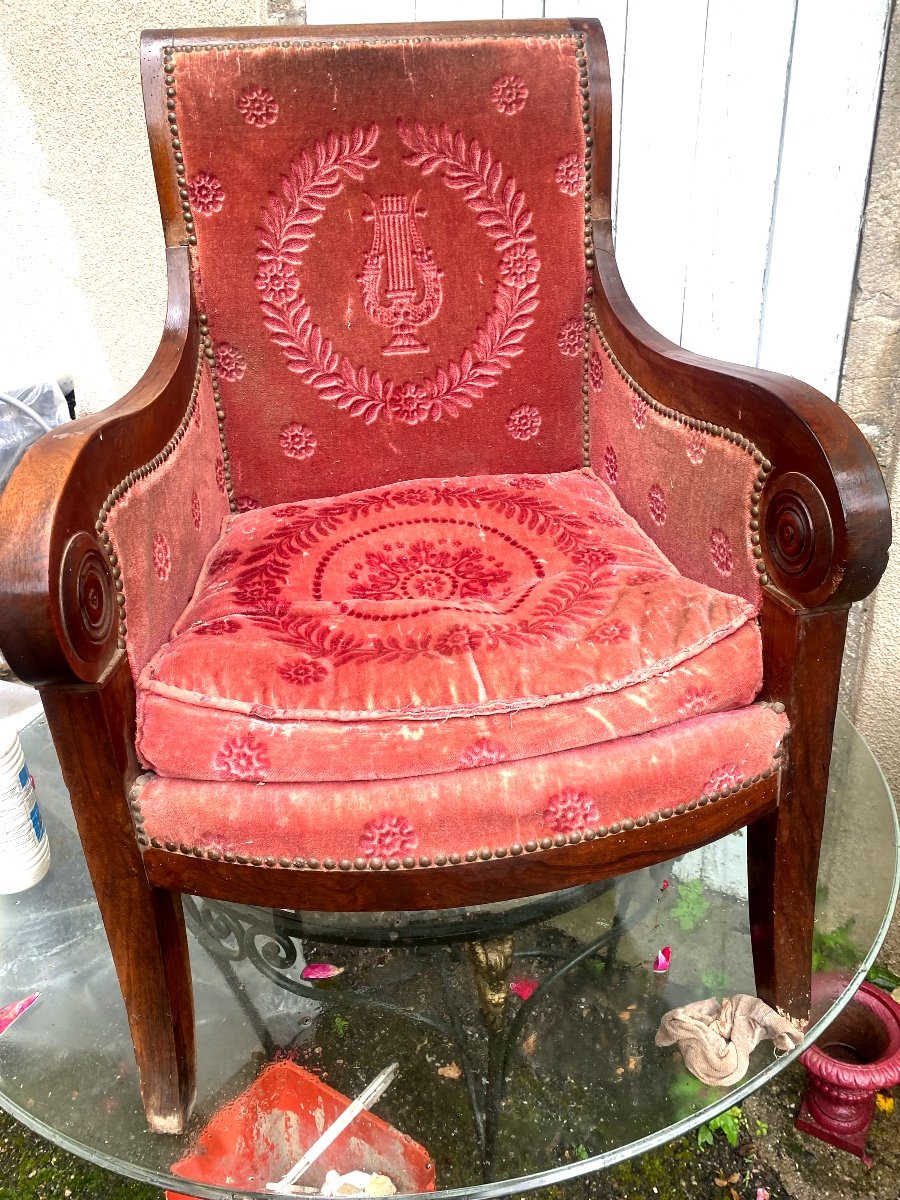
(802, 652)
(600, 91)
(153, 83)
(93, 731)
(273, 35)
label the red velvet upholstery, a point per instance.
(658, 462)
(461, 812)
(390, 239)
(163, 525)
(446, 623)
(389, 247)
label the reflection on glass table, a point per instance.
(524, 1031)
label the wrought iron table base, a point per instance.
(231, 933)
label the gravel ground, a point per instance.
(32, 1169)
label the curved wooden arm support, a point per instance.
(58, 618)
(824, 516)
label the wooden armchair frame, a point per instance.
(821, 521)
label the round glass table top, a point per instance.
(524, 1032)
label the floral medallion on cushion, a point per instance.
(436, 625)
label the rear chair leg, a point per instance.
(802, 656)
(93, 733)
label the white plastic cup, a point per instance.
(24, 849)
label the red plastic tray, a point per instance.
(259, 1136)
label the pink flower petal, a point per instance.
(762, 1193)
(320, 971)
(523, 987)
(664, 886)
(662, 960)
(11, 1011)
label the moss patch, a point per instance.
(32, 1169)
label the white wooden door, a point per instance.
(742, 137)
(747, 130)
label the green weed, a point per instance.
(729, 1122)
(692, 906)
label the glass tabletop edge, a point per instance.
(562, 1173)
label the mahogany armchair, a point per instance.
(418, 570)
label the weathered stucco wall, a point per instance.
(870, 392)
(80, 236)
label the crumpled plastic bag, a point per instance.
(18, 430)
(715, 1039)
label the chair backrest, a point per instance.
(390, 245)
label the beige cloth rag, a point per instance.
(715, 1039)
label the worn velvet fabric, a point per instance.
(442, 622)
(494, 806)
(689, 489)
(227, 743)
(506, 647)
(390, 243)
(163, 526)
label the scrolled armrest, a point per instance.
(823, 516)
(59, 622)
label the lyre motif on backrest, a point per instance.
(392, 241)
(396, 243)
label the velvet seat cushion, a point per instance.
(435, 625)
(500, 809)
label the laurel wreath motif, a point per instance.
(287, 230)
